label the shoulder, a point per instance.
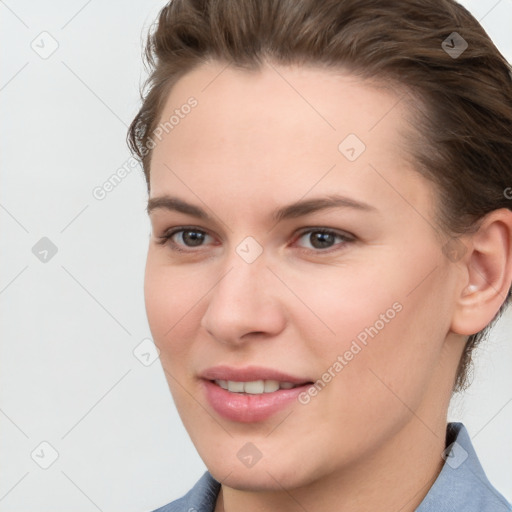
(201, 498)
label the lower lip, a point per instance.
(248, 408)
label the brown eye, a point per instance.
(183, 238)
(322, 239)
(192, 238)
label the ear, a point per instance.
(487, 276)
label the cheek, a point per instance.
(169, 305)
(391, 320)
(346, 303)
(170, 300)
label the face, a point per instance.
(350, 303)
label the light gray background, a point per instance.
(69, 376)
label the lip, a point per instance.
(249, 373)
(244, 407)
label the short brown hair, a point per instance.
(463, 112)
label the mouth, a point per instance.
(255, 387)
(252, 394)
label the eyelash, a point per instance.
(166, 239)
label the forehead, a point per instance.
(279, 130)
(310, 102)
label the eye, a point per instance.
(186, 236)
(322, 239)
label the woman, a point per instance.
(331, 237)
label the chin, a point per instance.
(263, 476)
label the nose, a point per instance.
(244, 304)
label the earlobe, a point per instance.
(488, 273)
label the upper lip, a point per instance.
(249, 374)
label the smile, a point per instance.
(254, 387)
(251, 401)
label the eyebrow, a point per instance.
(293, 210)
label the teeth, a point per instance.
(222, 383)
(271, 386)
(255, 387)
(235, 387)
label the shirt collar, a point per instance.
(462, 483)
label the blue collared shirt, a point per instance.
(461, 486)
